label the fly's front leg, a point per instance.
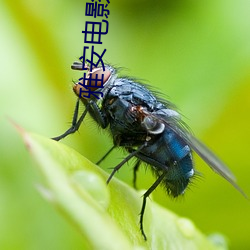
(93, 109)
(75, 124)
(97, 114)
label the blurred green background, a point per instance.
(195, 52)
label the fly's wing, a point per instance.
(175, 124)
(212, 160)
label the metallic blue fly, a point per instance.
(149, 128)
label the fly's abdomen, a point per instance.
(170, 155)
(178, 176)
(180, 166)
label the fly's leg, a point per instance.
(124, 161)
(90, 107)
(97, 114)
(75, 124)
(145, 196)
(136, 167)
(105, 155)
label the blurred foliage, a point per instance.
(102, 213)
(197, 53)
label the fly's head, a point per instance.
(93, 81)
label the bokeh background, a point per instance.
(195, 52)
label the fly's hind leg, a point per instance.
(145, 196)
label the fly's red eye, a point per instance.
(97, 74)
(91, 80)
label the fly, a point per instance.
(149, 128)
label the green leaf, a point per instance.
(107, 215)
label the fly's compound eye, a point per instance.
(152, 125)
(98, 73)
(93, 80)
